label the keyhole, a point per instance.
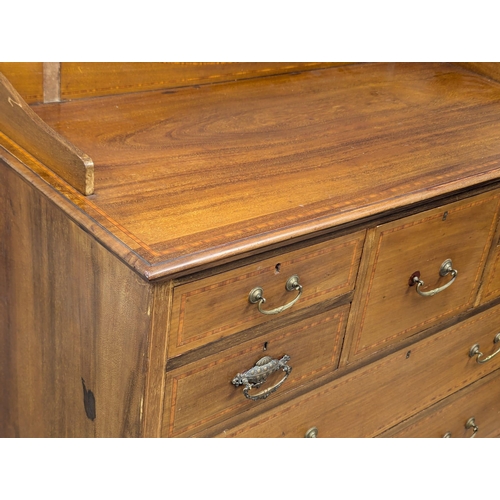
(265, 346)
(277, 268)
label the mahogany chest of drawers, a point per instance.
(310, 253)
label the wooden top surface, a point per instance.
(192, 176)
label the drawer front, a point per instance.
(386, 308)
(219, 306)
(201, 393)
(452, 417)
(379, 396)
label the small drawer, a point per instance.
(202, 393)
(379, 396)
(472, 412)
(388, 306)
(219, 306)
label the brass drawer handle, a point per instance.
(445, 269)
(312, 433)
(256, 296)
(470, 424)
(257, 375)
(474, 350)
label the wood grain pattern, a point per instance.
(22, 125)
(160, 310)
(98, 79)
(66, 198)
(378, 396)
(216, 307)
(27, 79)
(389, 309)
(480, 400)
(245, 180)
(210, 170)
(489, 69)
(75, 323)
(313, 346)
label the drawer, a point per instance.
(386, 308)
(452, 417)
(219, 306)
(379, 396)
(201, 393)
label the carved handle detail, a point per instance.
(257, 375)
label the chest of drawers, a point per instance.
(307, 254)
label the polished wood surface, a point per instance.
(378, 396)
(22, 125)
(90, 79)
(209, 170)
(385, 308)
(480, 400)
(488, 69)
(213, 308)
(313, 346)
(127, 310)
(74, 329)
(27, 79)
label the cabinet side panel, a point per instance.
(73, 339)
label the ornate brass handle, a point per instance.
(256, 296)
(257, 375)
(445, 269)
(470, 424)
(474, 350)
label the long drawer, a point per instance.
(472, 412)
(379, 396)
